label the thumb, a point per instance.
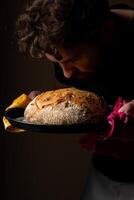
(33, 94)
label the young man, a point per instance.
(91, 47)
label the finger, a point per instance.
(33, 94)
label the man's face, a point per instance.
(78, 62)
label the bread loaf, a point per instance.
(66, 106)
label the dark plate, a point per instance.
(16, 118)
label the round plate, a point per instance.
(16, 118)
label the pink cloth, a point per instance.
(117, 123)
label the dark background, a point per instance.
(34, 165)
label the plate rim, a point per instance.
(65, 128)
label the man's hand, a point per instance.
(33, 94)
(128, 108)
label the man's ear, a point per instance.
(106, 31)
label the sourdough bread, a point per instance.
(66, 106)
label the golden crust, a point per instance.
(83, 99)
(76, 96)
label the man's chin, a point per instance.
(82, 82)
(86, 76)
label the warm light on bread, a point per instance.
(66, 106)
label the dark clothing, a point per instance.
(114, 78)
(116, 169)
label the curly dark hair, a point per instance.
(47, 25)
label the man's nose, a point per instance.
(67, 70)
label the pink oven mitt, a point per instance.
(117, 121)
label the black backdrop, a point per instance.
(34, 166)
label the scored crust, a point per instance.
(66, 106)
